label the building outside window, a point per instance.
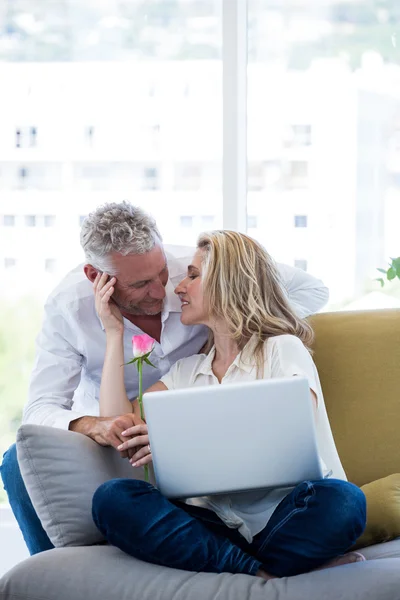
(186, 221)
(150, 178)
(9, 263)
(300, 220)
(30, 220)
(49, 220)
(9, 220)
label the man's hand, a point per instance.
(107, 431)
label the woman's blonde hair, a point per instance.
(242, 288)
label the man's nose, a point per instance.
(157, 290)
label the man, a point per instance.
(123, 241)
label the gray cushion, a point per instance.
(104, 572)
(62, 470)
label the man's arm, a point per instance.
(56, 374)
(55, 377)
(306, 294)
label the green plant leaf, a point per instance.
(381, 281)
(146, 360)
(382, 271)
(391, 274)
(131, 361)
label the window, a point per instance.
(90, 106)
(26, 137)
(186, 221)
(9, 221)
(300, 220)
(251, 222)
(9, 262)
(150, 175)
(49, 220)
(298, 136)
(300, 263)
(30, 220)
(255, 177)
(188, 176)
(89, 135)
(33, 137)
(22, 177)
(18, 138)
(207, 221)
(50, 265)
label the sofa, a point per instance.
(358, 358)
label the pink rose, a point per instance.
(142, 345)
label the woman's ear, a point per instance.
(90, 272)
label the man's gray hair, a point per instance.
(117, 227)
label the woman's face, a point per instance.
(190, 291)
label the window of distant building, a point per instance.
(26, 137)
(9, 262)
(50, 265)
(298, 135)
(186, 221)
(300, 220)
(18, 138)
(207, 221)
(9, 221)
(22, 176)
(188, 177)
(30, 220)
(255, 177)
(33, 137)
(251, 222)
(301, 263)
(296, 174)
(89, 135)
(49, 220)
(150, 176)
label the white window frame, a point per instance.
(234, 99)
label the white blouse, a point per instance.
(284, 356)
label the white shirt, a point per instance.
(70, 349)
(284, 356)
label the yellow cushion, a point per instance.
(383, 511)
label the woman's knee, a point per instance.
(346, 503)
(112, 496)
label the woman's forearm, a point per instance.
(113, 398)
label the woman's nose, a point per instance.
(181, 287)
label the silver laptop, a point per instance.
(230, 438)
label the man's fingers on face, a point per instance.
(96, 281)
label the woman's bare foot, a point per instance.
(264, 575)
(345, 559)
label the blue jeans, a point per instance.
(316, 522)
(34, 535)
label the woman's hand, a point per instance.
(140, 443)
(107, 310)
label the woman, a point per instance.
(232, 287)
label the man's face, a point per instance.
(141, 281)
